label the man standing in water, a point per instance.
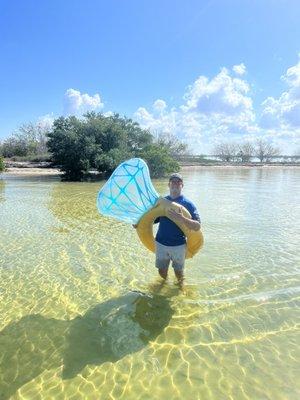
(170, 241)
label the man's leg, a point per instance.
(162, 260)
(179, 275)
(163, 272)
(180, 278)
(178, 257)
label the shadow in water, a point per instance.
(106, 332)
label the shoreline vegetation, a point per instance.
(91, 147)
(28, 168)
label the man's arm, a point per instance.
(188, 222)
(192, 224)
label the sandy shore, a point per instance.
(14, 171)
(32, 171)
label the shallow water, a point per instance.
(83, 315)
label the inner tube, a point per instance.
(160, 209)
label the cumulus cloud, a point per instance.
(284, 112)
(76, 103)
(159, 105)
(46, 121)
(212, 109)
(222, 94)
(239, 69)
(167, 123)
(221, 109)
(292, 77)
(108, 114)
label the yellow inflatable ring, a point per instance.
(160, 209)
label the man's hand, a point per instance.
(179, 217)
(176, 215)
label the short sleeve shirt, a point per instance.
(169, 234)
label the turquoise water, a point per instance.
(84, 316)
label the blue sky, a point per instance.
(206, 71)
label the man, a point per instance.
(170, 241)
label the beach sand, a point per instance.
(32, 171)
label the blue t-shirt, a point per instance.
(168, 232)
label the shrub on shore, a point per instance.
(100, 143)
(2, 166)
(29, 140)
(158, 160)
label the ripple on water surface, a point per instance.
(83, 316)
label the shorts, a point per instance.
(165, 254)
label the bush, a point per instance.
(107, 162)
(159, 160)
(2, 167)
(95, 142)
(14, 147)
(102, 143)
(29, 140)
(71, 149)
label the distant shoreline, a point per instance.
(239, 166)
(27, 170)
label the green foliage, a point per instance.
(29, 140)
(107, 162)
(2, 166)
(159, 160)
(72, 147)
(102, 143)
(95, 142)
(14, 146)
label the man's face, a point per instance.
(175, 186)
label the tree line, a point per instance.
(98, 142)
(94, 142)
(244, 152)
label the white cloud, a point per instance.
(212, 109)
(220, 95)
(76, 103)
(159, 105)
(284, 112)
(167, 123)
(108, 114)
(239, 69)
(221, 109)
(46, 121)
(144, 116)
(292, 76)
